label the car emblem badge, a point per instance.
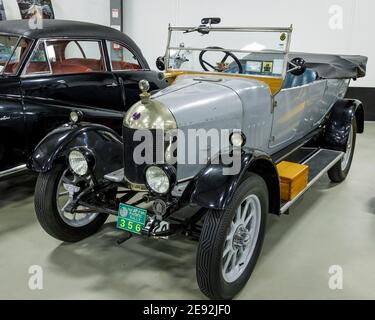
(136, 116)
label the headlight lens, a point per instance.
(157, 180)
(237, 139)
(78, 163)
(75, 116)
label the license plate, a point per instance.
(131, 218)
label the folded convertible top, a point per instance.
(330, 66)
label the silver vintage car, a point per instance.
(238, 105)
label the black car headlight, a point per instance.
(81, 161)
(160, 179)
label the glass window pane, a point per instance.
(18, 54)
(122, 58)
(71, 56)
(38, 63)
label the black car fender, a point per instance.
(337, 127)
(104, 143)
(212, 189)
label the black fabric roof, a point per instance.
(331, 66)
(66, 28)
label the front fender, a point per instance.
(212, 189)
(105, 144)
(340, 119)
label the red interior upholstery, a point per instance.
(122, 65)
(58, 68)
(93, 64)
(35, 67)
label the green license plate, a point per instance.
(131, 218)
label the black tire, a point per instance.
(213, 237)
(337, 174)
(48, 214)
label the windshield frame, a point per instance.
(209, 28)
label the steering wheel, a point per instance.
(220, 67)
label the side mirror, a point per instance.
(211, 21)
(297, 66)
(160, 64)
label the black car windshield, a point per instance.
(12, 52)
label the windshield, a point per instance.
(248, 51)
(12, 52)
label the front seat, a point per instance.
(292, 81)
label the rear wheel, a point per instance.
(231, 241)
(53, 194)
(340, 170)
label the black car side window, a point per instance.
(121, 57)
(38, 63)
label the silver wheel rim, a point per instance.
(64, 196)
(346, 158)
(241, 238)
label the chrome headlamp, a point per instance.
(160, 179)
(76, 116)
(81, 161)
(237, 139)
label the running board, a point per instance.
(319, 164)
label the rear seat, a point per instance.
(58, 68)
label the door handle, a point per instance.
(112, 85)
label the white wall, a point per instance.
(97, 11)
(146, 22)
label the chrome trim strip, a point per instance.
(13, 171)
(287, 205)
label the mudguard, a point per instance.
(212, 189)
(105, 144)
(338, 125)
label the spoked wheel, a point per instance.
(54, 193)
(242, 238)
(231, 241)
(339, 172)
(67, 188)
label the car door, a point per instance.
(129, 69)
(12, 136)
(289, 109)
(63, 75)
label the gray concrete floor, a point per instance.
(331, 225)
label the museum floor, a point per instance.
(332, 225)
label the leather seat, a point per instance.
(58, 68)
(93, 64)
(292, 81)
(122, 65)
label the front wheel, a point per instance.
(54, 192)
(231, 241)
(340, 170)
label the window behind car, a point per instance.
(66, 57)
(121, 57)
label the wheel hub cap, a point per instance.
(241, 238)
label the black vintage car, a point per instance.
(66, 65)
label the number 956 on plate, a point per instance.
(131, 218)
